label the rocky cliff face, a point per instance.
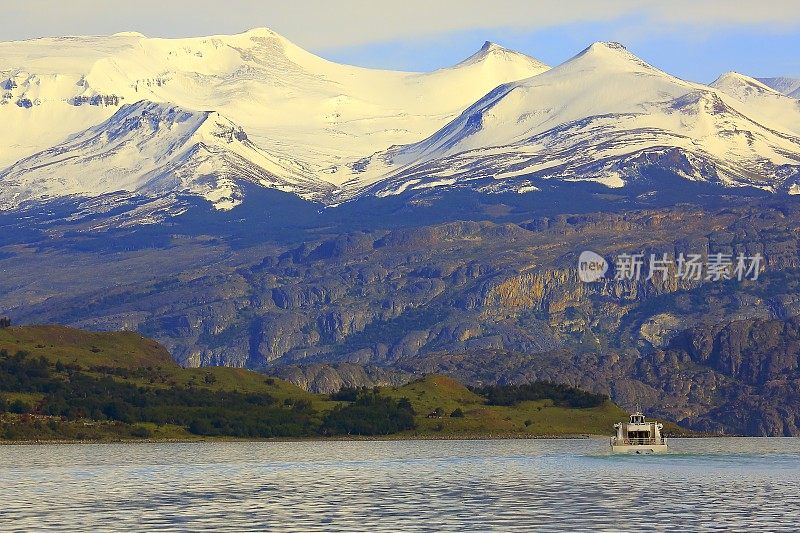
(737, 378)
(325, 379)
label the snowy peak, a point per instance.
(761, 102)
(491, 50)
(133, 34)
(608, 56)
(489, 46)
(605, 48)
(492, 56)
(259, 39)
(734, 82)
(494, 52)
(261, 32)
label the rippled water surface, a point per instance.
(511, 485)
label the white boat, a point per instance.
(638, 436)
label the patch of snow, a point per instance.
(435, 183)
(399, 190)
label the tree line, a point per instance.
(561, 395)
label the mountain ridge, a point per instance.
(607, 103)
(499, 121)
(784, 84)
(258, 78)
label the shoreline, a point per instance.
(349, 438)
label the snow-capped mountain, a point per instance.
(788, 86)
(86, 116)
(605, 116)
(293, 104)
(154, 149)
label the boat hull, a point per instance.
(639, 448)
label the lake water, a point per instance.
(506, 485)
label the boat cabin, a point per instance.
(637, 433)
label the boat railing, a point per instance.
(637, 441)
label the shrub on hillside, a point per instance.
(369, 414)
(561, 395)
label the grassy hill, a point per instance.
(59, 383)
(120, 349)
(102, 353)
(528, 418)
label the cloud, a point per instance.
(323, 24)
(785, 13)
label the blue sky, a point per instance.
(756, 51)
(694, 39)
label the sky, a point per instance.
(694, 39)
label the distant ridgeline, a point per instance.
(59, 383)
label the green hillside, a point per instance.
(102, 353)
(530, 418)
(120, 349)
(58, 383)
